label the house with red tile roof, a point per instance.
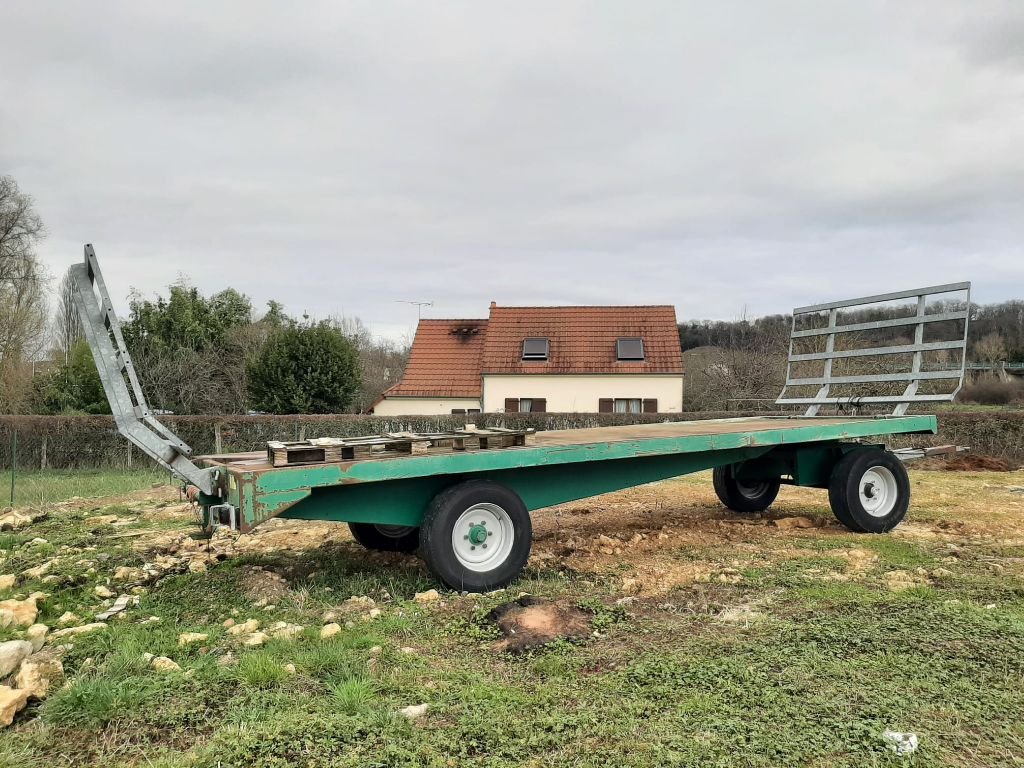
(543, 359)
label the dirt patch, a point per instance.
(261, 584)
(967, 462)
(531, 622)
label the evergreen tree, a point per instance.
(305, 369)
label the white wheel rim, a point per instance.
(394, 531)
(878, 491)
(482, 538)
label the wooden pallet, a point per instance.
(325, 450)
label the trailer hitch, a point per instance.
(222, 514)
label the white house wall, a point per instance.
(579, 394)
(422, 406)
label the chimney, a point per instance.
(494, 304)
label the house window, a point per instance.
(526, 405)
(535, 349)
(628, 405)
(631, 348)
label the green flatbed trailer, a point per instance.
(467, 512)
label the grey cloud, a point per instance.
(344, 156)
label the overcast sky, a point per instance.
(342, 157)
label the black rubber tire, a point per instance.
(439, 521)
(386, 538)
(740, 498)
(845, 486)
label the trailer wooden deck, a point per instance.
(256, 461)
(704, 427)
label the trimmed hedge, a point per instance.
(91, 442)
(87, 442)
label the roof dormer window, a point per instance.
(535, 349)
(631, 348)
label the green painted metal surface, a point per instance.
(477, 534)
(809, 464)
(396, 491)
(403, 502)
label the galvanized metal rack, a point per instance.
(917, 372)
(132, 415)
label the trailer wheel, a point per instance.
(869, 491)
(743, 497)
(476, 536)
(386, 538)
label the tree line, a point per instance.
(193, 353)
(995, 333)
(742, 363)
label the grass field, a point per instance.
(717, 641)
(38, 488)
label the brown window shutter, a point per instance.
(540, 405)
(605, 405)
(511, 405)
(650, 405)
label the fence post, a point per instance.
(42, 455)
(217, 439)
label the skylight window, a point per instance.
(630, 349)
(535, 349)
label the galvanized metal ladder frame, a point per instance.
(132, 415)
(913, 377)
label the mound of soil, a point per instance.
(261, 584)
(966, 462)
(531, 622)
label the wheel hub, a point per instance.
(482, 537)
(752, 490)
(393, 531)
(478, 534)
(878, 491)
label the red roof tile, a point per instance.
(444, 360)
(582, 339)
(448, 357)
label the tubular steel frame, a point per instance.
(132, 415)
(913, 377)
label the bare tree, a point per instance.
(67, 323)
(990, 348)
(746, 371)
(22, 293)
(381, 361)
